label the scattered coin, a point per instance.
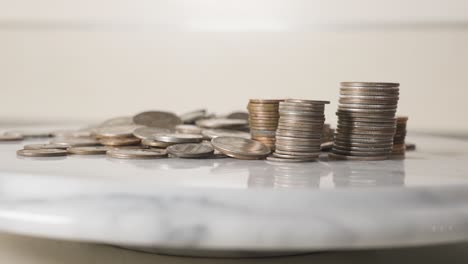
(137, 153)
(193, 116)
(178, 138)
(240, 148)
(188, 129)
(76, 142)
(213, 133)
(97, 150)
(118, 121)
(149, 132)
(11, 137)
(191, 150)
(238, 115)
(116, 141)
(155, 143)
(116, 131)
(41, 152)
(221, 123)
(157, 119)
(46, 146)
(28, 134)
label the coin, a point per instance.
(307, 102)
(76, 142)
(240, 147)
(221, 123)
(155, 143)
(310, 157)
(11, 137)
(238, 115)
(178, 138)
(28, 134)
(369, 84)
(45, 146)
(157, 119)
(149, 132)
(410, 146)
(213, 133)
(96, 150)
(116, 131)
(41, 152)
(188, 129)
(116, 141)
(137, 153)
(266, 101)
(191, 117)
(335, 156)
(295, 160)
(191, 150)
(118, 121)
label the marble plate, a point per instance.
(230, 205)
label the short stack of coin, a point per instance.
(399, 147)
(300, 130)
(263, 120)
(366, 121)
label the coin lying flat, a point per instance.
(115, 141)
(213, 133)
(157, 119)
(29, 134)
(118, 121)
(11, 137)
(149, 132)
(191, 117)
(295, 160)
(137, 153)
(221, 123)
(238, 115)
(46, 146)
(97, 150)
(178, 138)
(188, 129)
(191, 150)
(41, 152)
(155, 143)
(240, 148)
(76, 142)
(116, 131)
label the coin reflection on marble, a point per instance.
(368, 174)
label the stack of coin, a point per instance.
(399, 147)
(300, 130)
(366, 121)
(263, 119)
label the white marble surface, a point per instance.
(227, 204)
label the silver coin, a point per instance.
(191, 117)
(390, 120)
(41, 152)
(372, 98)
(45, 146)
(367, 106)
(301, 106)
(301, 119)
(298, 149)
(11, 137)
(188, 129)
(335, 156)
(221, 123)
(262, 133)
(298, 134)
(155, 143)
(82, 133)
(238, 115)
(75, 142)
(157, 119)
(365, 124)
(297, 154)
(307, 102)
(361, 149)
(359, 153)
(285, 156)
(318, 129)
(326, 146)
(240, 147)
(191, 150)
(369, 84)
(364, 101)
(149, 132)
(28, 134)
(178, 138)
(295, 160)
(118, 121)
(137, 153)
(297, 139)
(96, 150)
(116, 131)
(214, 133)
(362, 144)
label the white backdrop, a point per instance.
(89, 60)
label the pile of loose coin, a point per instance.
(263, 118)
(366, 121)
(300, 129)
(399, 146)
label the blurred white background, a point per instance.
(64, 60)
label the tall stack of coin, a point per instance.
(300, 130)
(366, 121)
(263, 119)
(399, 147)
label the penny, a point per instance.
(97, 150)
(115, 141)
(157, 119)
(191, 150)
(41, 152)
(137, 153)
